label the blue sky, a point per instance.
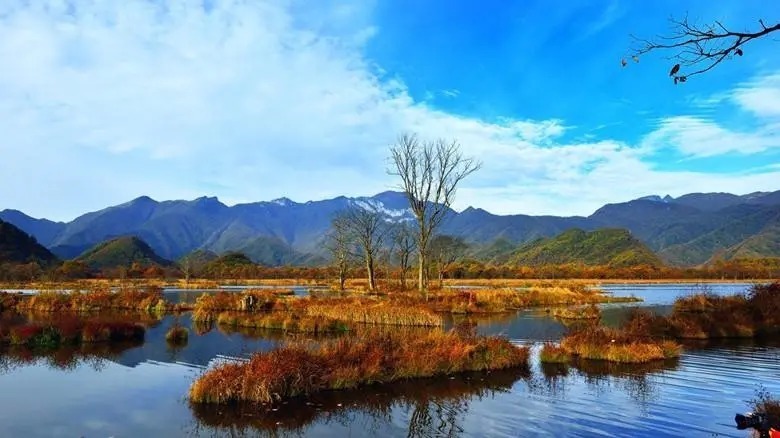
(101, 102)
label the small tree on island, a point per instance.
(338, 243)
(368, 230)
(430, 172)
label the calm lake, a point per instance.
(140, 390)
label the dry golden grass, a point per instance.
(348, 362)
(373, 312)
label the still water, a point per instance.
(140, 390)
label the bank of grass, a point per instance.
(348, 362)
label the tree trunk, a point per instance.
(370, 270)
(421, 272)
(342, 279)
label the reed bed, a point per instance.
(373, 312)
(283, 320)
(209, 306)
(149, 299)
(305, 368)
(616, 345)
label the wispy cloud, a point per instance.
(258, 100)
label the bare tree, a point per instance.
(403, 246)
(368, 230)
(445, 251)
(699, 47)
(430, 172)
(339, 242)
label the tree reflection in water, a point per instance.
(65, 358)
(434, 407)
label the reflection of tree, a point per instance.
(436, 407)
(66, 358)
(637, 380)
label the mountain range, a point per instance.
(689, 230)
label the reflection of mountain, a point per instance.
(437, 406)
(200, 349)
(523, 325)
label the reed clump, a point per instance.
(348, 362)
(552, 353)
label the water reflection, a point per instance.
(433, 407)
(66, 358)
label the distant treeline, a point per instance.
(227, 269)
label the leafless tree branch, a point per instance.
(698, 48)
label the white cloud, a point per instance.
(258, 100)
(761, 97)
(700, 137)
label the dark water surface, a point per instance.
(140, 390)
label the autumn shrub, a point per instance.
(177, 335)
(764, 403)
(577, 313)
(347, 362)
